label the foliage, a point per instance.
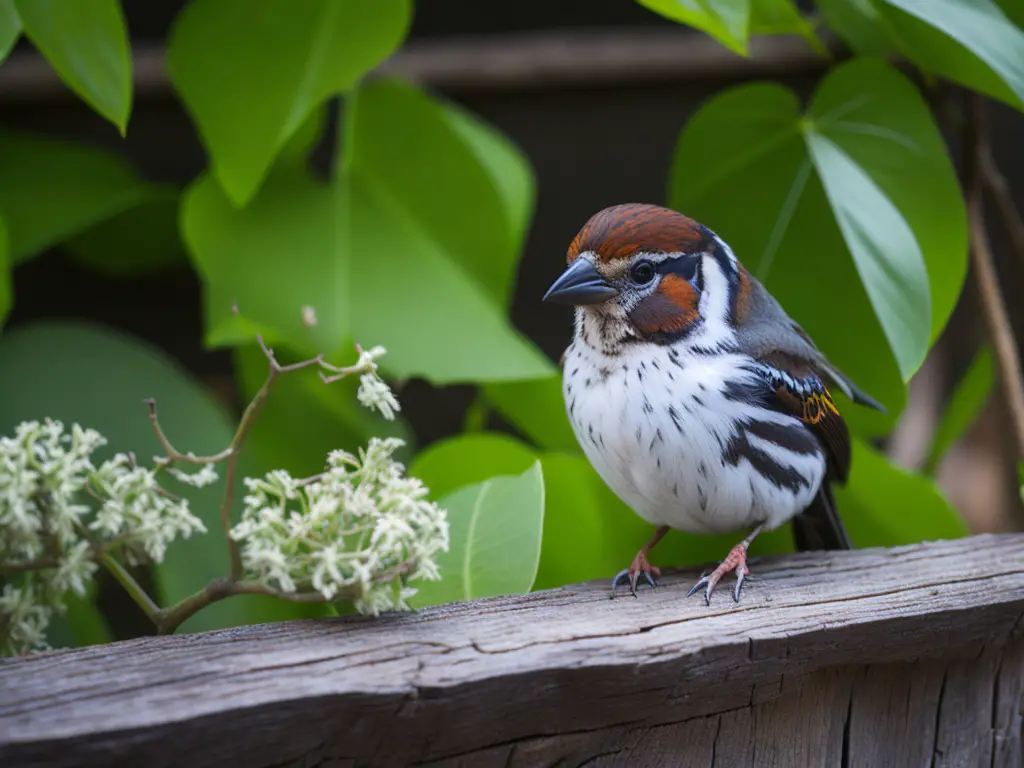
(848, 207)
(359, 531)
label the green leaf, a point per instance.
(969, 398)
(883, 505)
(112, 373)
(51, 191)
(783, 17)
(762, 176)
(858, 24)
(881, 122)
(414, 223)
(510, 173)
(6, 293)
(495, 539)
(264, 65)
(1014, 10)
(455, 462)
(10, 28)
(887, 256)
(304, 419)
(537, 409)
(86, 42)
(82, 623)
(727, 21)
(969, 41)
(140, 240)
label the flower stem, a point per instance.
(131, 586)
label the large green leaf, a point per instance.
(412, 249)
(250, 71)
(304, 419)
(10, 28)
(969, 41)
(537, 409)
(969, 398)
(511, 175)
(728, 21)
(6, 294)
(762, 175)
(142, 239)
(494, 539)
(858, 24)
(783, 17)
(86, 42)
(52, 190)
(454, 462)
(1014, 10)
(81, 624)
(112, 374)
(886, 506)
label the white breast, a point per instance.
(655, 426)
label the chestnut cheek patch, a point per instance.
(672, 308)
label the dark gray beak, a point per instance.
(580, 284)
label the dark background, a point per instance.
(593, 141)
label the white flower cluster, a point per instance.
(50, 532)
(374, 392)
(361, 530)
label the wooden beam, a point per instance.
(520, 61)
(873, 657)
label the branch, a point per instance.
(244, 427)
(998, 187)
(997, 320)
(39, 564)
(173, 455)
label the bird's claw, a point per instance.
(632, 579)
(632, 575)
(735, 561)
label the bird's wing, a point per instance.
(763, 330)
(797, 389)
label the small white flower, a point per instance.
(50, 490)
(374, 393)
(207, 475)
(347, 533)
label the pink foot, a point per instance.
(736, 560)
(640, 565)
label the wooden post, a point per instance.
(906, 657)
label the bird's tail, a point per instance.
(819, 526)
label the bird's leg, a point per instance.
(640, 565)
(735, 560)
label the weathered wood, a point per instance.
(911, 656)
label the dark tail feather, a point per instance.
(819, 526)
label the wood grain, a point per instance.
(911, 656)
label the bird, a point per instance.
(697, 399)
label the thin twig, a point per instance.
(244, 427)
(997, 320)
(173, 455)
(172, 617)
(39, 564)
(131, 586)
(999, 188)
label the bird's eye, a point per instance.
(642, 272)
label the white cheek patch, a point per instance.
(714, 305)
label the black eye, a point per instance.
(642, 272)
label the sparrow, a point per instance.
(697, 399)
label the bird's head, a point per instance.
(658, 275)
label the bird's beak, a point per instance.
(581, 283)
